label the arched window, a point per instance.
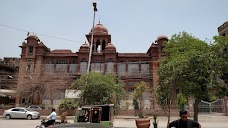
(103, 45)
(98, 46)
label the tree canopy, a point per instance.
(164, 96)
(190, 66)
(99, 89)
(220, 46)
(67, 103)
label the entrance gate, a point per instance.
(212, 107)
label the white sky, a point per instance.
(133, 24)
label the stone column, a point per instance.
(154, 66)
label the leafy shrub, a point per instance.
(67, 103)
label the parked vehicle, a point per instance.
(105, 114)
(20, 112)
(34, 107)
(89, 114)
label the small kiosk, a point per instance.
(89, 114)
(96, 113)
(107, 113)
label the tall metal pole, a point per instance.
(91, 44)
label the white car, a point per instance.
(20, 112)
(34, 107)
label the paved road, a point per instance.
(20, 123)
(130, 123)
(206, 122)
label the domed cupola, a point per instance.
(84, 47)
(32, 37)
(99, 29)
(101, 38)
(161, 39)
(110, 48)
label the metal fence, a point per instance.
(212, 107)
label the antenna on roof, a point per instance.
(99, 20)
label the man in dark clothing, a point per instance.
(184, 122)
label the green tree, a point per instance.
(164, 93)
(220, 46)
(193, 67)
(67, 103)
(163, 99)
(99, 89)
(138, 92)
(165, 90)
(181, 101)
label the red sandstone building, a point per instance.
(130, 67)
(223, 29)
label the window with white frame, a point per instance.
(73, 69)
(83, 67)
(121, 69)
(145, 70)
(133, 69)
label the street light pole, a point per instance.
(91, 44)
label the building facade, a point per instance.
(132, 68)
(9, 67)
(223, 29)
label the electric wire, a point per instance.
(50, 36)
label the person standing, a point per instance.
(136, 107)
(63, 117)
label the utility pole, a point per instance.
(91, 44)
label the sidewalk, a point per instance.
(201, 117)
(207, 121)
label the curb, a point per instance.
(58, 117)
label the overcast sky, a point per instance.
(133, 24)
